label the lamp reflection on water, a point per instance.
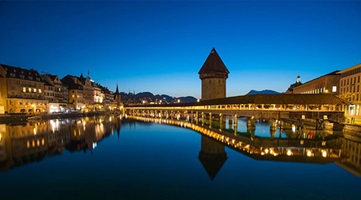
(236, 141)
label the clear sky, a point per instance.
(159, 46)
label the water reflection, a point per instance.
(29, 142)
(33, 141)
(320, 148)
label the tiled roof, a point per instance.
(301, 99)
(213, 64)
(70, 81)
(283, 99)
(21, 73)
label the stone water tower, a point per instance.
(213, 75)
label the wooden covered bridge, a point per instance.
(312, 108)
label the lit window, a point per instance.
(73, 95)
(39, 90)
(334, 88)
(29, 89)
(24, 89)
(34, 89)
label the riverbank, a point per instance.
(20, 118)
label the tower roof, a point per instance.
(213, 64)
(117, 90)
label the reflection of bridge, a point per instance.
(342, 151)
(290, 149)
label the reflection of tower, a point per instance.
(117, 97)
(118, 125)
(213, 75)
(212, 156)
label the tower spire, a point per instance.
(117, 90)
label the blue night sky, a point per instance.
(159, 46)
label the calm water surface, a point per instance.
(106, 157)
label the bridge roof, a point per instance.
(301, 99)
(283, 99)
(213, 63)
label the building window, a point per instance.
(334, 88)
(24, 89)
(39, 90)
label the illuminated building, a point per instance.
(350, 91)
(75, 92)
(328, 83)
(56, 93)
(88, 92)
(21, 90)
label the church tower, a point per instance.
(117, 97)
(213, 75)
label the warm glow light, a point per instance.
(324, 153)
(1, 137)
(289, 152)
(309, 153)
(34, 131)
(266, 151)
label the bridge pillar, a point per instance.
(230, 122)
(235, 123)
(273, 127)
(272, 124)
(210, 120)
(251, 123)
(221, 124)
(203, 118)
(197, 117)
(251, 131)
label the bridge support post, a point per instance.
(210, 120)
(197, 117)
(221, 124)
(251, 123)
(203, 117)
(235, 123)
(230, 122)
(273, 127)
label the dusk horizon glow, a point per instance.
(159, 46)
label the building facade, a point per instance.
(56, 93)
(350, 90)
(329, 83)
(22, 90)
(75, 92)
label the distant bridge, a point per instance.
(301, 108)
